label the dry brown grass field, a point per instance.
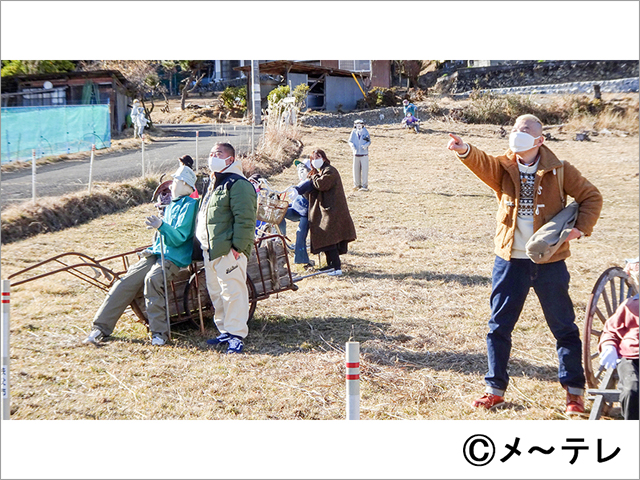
(415, 294)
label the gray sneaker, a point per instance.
(158, 341)
(94, 337)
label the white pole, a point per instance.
(6, 400)
(142, 137)
(255, 91)
(352, 351)
(93, 151)
(164, 278)
(33, 175)
(197, 137)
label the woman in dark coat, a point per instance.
(331, 226)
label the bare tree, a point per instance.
(192, 82)
(410, 69)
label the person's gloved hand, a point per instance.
(145, 253)
(153, 222)
(609, 357)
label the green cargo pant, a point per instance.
(147, 274)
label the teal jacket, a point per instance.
(177, 230)
(231, 213)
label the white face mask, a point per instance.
(521, 141)
(359, 127)
(317, 163)
(179, 189)
(216, 164)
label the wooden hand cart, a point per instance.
(268, 273)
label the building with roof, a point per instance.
(70, 88)
(333, 84)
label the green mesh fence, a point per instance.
(53, 130)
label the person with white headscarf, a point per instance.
(138, 119)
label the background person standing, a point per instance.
(359, 141)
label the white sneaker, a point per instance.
(94, 337)
(158, 341)
(335, 273)
(364, 189)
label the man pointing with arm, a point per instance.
(525, 182)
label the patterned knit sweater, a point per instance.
(524, 224)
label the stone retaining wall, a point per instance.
(624, 85)
(534, 73)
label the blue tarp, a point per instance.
(53, 130)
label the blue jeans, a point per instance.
(300, 251)
(511, 281)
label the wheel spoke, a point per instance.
(600, 315)
(605, 297)
(614, 296)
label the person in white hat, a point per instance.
(525, 181)
(177, 230)
(359, 141)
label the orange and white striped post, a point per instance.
(352, 351)
(6, 405)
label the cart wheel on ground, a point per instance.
(612, 288)
(191, 298)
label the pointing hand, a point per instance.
(456, 144)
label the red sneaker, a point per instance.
(575, 404)
(488, 401)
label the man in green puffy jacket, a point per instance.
(176, 229)
(225, 228)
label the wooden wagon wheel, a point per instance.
(612, 288)
(191, 297)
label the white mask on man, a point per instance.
(217, 164)
(521, 141)
(317, 163)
